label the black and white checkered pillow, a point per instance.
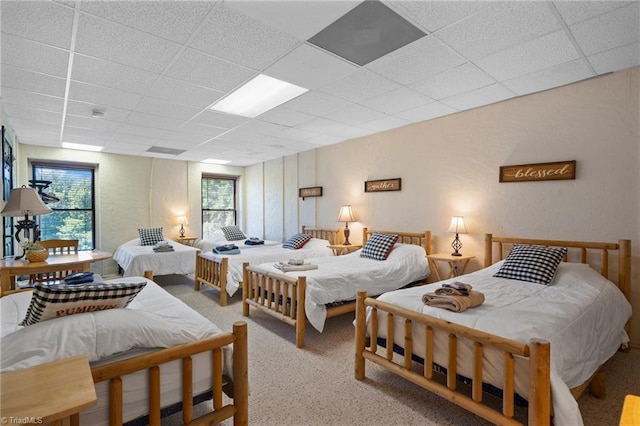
(378, 246)
(297, 241)
(60, 300)
(150, 236)
(233, 233)
(536, 264)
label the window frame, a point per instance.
(208, 176)
(73, 166)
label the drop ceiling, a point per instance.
(154, 68)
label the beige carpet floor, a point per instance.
(316, 385)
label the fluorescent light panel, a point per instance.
(258, 96)
(82, 147)
(214, 161)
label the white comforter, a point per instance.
(134, 259)
(582, 314)
(338, 278)
(208, 245)
(315, 248)
(154, 319)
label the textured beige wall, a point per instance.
(449, 166)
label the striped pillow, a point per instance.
(150, 236)
(536, 264)
(233, 233)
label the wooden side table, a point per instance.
(47, 392)
(457, 264)
(340, 249)
(187, 241)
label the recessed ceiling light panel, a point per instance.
(214, 161)
(82, 147)
(257, 96)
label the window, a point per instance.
(71, 196)
(218, 204)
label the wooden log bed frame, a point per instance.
(260, 289)
(236, 387)
(213, 272)
(537, 351)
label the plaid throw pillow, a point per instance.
(378, 246)
(297, 241)
(536, 264)
(60, 300)
(233, 233)
(150, 236)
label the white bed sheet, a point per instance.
(339, 278)
(134, 259)
(582, 314)
(315, 248)
(209, 245)
(153, 319)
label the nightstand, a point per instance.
(48, 392)
(187, 241)
(457, 264)
(340, 249)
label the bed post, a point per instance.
(245, 289)
(361, 328)
(488, 250)
(539, 382)
(148, 275)
(196, 281)
(240, 375)
(301, 318)
(624, 267)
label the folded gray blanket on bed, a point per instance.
(457, 298)
(287, 267)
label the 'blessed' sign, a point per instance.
(559, 170)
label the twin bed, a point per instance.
(545, 343)
(134, 259)
(224, 272)
(153, 358)
(329, 290)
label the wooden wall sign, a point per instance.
(559, 170)
(382, 185)
(314, 191)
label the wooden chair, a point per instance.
(56, 247)
(61, 246)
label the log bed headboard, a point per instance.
(416, 238)
(577, 252)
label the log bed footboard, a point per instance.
(537, 353)
(238, 409)
(212, 273)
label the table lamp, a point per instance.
(25, 202)
(182, 220)
(346, 216)
(457, 226)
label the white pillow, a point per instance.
(401, 251)
(316, 243)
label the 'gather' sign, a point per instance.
(559, 170)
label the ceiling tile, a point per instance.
(33, 100)
(397, 100)
(118, 43)
(416, 61)
(616, 59)
(33, 19)
(230, 35)
(316, 103)
(479, 97)
(426, 112)
(41, 58)
(174, 21)
(309, 67)
(360, 85)
(498, 27)
(103, 96)
(217, 119)
(555, 76)
(456, 80)
(37, 115)
(84, 109)
(205, 70)
(167, 109)
(87, 122)
(184, 93)
(30, 81)
(110, 74)
(614, 29)
(285, 116)
(433, 15)
(355, 114)
(384, 124)
(573, 12)
(532, 56)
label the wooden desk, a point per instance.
(80, 262)
(47, 392)
(457, 264)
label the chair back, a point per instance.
(61, 246)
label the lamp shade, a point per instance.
(182, 220)
(457, 225)
(25, 201)
(346, 214)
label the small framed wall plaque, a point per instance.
(558, 170)
(314, 191)
(383, 185)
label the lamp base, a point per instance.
(456, 245)
(456, 254)
(346, 236)
(181, 231)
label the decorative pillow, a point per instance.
(233, 233)
(297, 241)
(53, 301)
(536, 264)
(378, 246)
(150, 236)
